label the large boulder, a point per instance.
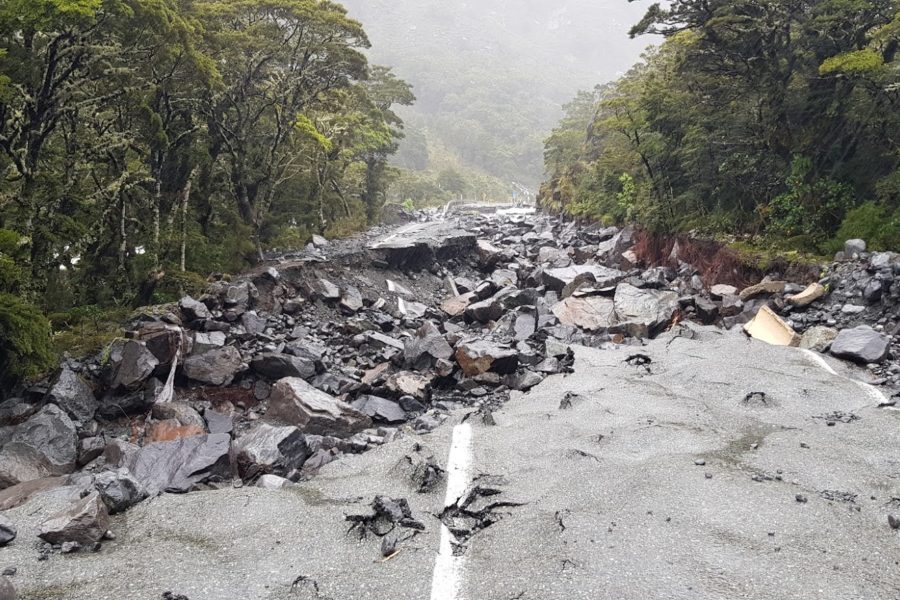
(861, 344)
(609, 251)
(206, 341)
(642, 312)
(85, 523)
(216, 367)
(72, 394)
(588, 312)
(42, 446)
(426, 346)
(179, 465)
(130, 364)
(481, 356)
(380, 409)
(295, 402)
(269, 449)
(193, 310)
(275, 366)
(119, 489)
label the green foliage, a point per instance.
(143, 137)
(177, 284)
(811, 209)
(875, 223)
(25, 345)
(733, 127)
(856, 62)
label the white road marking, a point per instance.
(446, 582)
(868, 388)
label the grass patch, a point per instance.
(86, 330)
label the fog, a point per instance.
(491, 76)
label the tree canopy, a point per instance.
(146, 144)
(770, 117)
(144, 137)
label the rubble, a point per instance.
(85, 523)
(302, 358)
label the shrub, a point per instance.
(875, 223)
(811, 209)
(25, 345)
(177, 284)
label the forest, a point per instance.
(774, 122)
(145, 144)
(490, 78)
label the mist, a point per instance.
(490, 77)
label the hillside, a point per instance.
(490, 77)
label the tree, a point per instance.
(277, 59)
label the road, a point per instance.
(711, 472)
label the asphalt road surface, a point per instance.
(711, 466)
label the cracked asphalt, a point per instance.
(723, 468)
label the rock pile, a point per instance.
(343, 347)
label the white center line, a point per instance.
(870, 390)
(447, 579)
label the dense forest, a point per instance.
(777, 121)
(145, 144)
(490, 78)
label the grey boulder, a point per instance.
(85, 523)
(425, 346)
(588, 312)
(179, 465)
(269, 449)
(861, 344)
(380, 409)
(295, 402)
(275, 366)
(216, 367)
(72, 394)
(119, 490)
(193, 310)
(130, 364)
(42, 446)
(641, 312)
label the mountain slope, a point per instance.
(490, 76)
